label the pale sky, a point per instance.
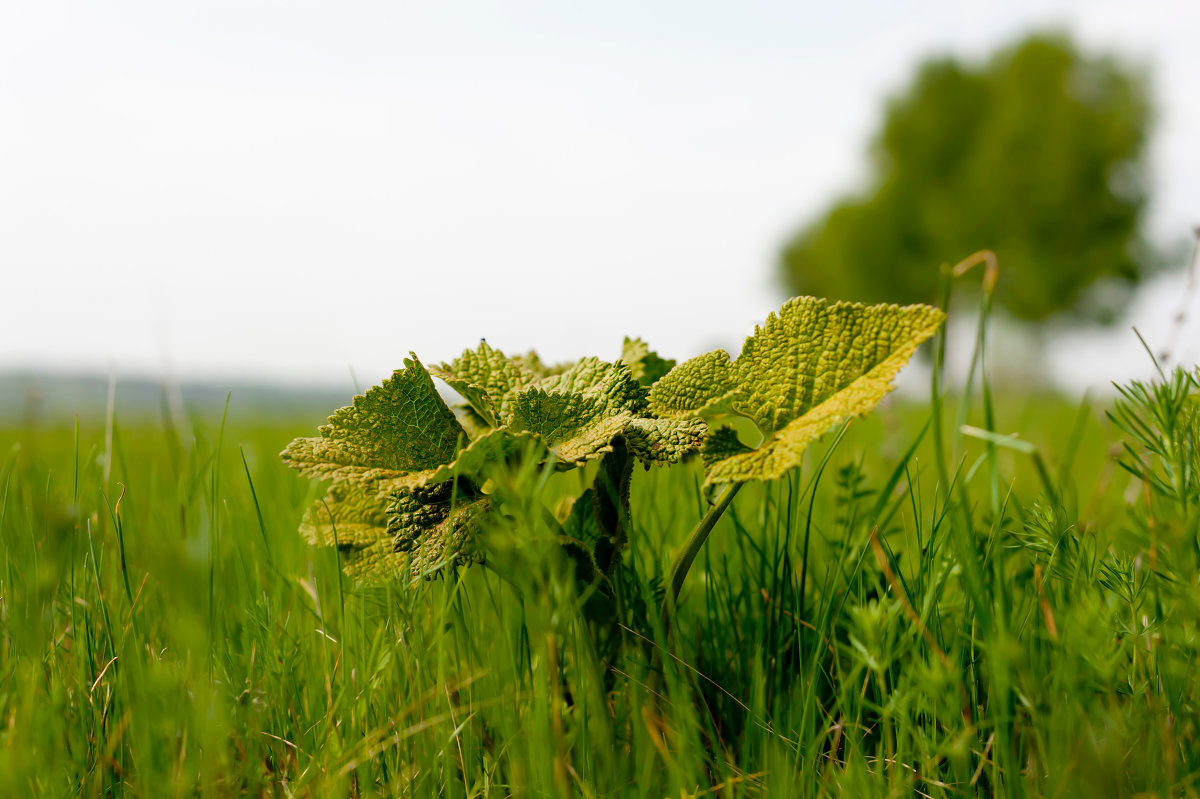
(299, 190)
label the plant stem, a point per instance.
(611, 489)
(691, 547)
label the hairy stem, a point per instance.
(691, 547)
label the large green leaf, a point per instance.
(800, 373)
(400, 431)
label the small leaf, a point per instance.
(582, 527)
(494, 446)
(580, 521)
(663, 441)
(644, 364)
(474, 424)
(594, 377)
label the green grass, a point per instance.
(894, 619)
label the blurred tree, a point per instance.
(1037, 154)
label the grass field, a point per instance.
(909, 614)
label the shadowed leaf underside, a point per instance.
(410, 533)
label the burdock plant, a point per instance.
(410, 495)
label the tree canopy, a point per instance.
(1037, 154)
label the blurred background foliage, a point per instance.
(1039, 154)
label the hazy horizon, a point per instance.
(227, 191)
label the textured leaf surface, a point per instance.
(808, 367)
(783, 450)
(579, 412)
(814, 349)
(694, 387)
(436, 526)
(594, 377)
(487, 378)
(400, 431)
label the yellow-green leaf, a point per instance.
(800, 373)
